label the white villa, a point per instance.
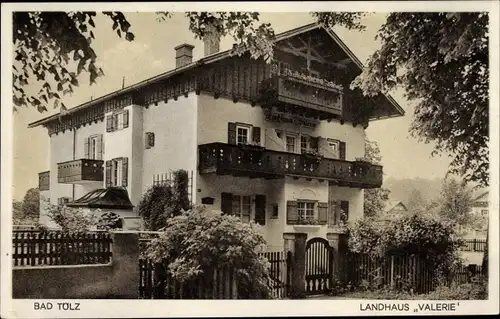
(277, 143)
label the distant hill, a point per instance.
(402, 188)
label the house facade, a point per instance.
(279, 143)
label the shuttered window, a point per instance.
(150, 140)
(227, 203)
(93, 147)
(344, 210)
(239, 133)
(117, 121)
(322, 213)
(291, 212)
(117, 172)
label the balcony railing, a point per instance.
(79, 171)
(234, 160)
(44, 181)
(298, 89)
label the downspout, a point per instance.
(74, 157)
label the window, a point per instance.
(305, 210)
(93, 150)
(150, 140)
(290, 143)
(117, 121)
(335, 146)
(242, 207)
(242, 134)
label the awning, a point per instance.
(112, 197)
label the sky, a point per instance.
(152, 52)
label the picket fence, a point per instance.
(155, 282)
(402, 272)
(474, 245)
(35, 248)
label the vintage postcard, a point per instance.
(249, 159)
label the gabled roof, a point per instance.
(217, 57)
(391, 204)
(483, 197)
(112, 197)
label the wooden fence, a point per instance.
(401, 272)
(474, 245)
(156, 283)
(35, 248)
(280, 272)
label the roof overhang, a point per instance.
(106, 198)
(214, 58)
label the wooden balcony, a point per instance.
(44, 181)
(80, 171)
(293, 88)
(225, 159)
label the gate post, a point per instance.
(296, 244)
(338, 242)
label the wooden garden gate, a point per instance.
(319, 266)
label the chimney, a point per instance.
(211, 41)
(183, 55)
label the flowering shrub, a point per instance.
(73, 220)
(198, 241)
(434, 240)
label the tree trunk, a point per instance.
(484, 267)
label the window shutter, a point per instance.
(260, 209)
(333, 214)
(342, 150)
(124, 171)
(151, 139)
(226, 204)
(231, 133)
(86, 148)
(99, 147)
(314, 143)
(125, 119)
(148, 140)
(256, 134)
(109, 123)
(344, 207)
(108, 173)
(291, 212)
(323, 213)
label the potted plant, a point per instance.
(307, 224)
(313, 154)
(252, 146)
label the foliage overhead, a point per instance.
(197, 241)
(375, 198)
(439, 59)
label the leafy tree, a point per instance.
(417, 203)
(375, 198)
(17, 209)
(455, 203)
(72, 220)
(199, 241)
(31, 202)
(441, 61)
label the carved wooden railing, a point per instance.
(223, 158)
(80, 170)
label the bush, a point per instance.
(468, 291)
(155, 206)
(197, 242)
(72, 220)
(431, 239)
(109, 220)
